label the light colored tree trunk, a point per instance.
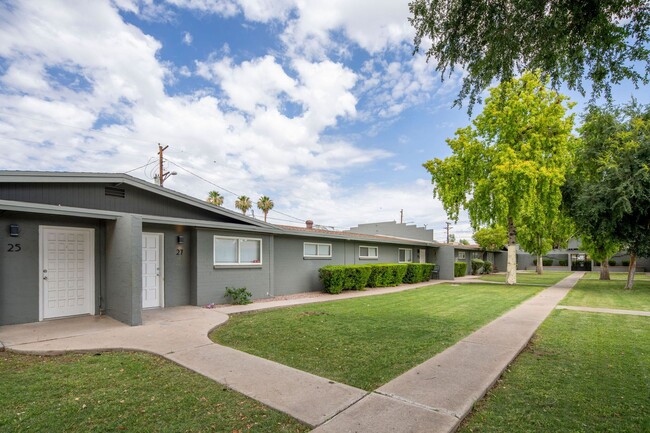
(604, 269)
(539, 268)
(511, 269)
(630, 272)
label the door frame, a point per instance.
(161, 263)
(91, 269)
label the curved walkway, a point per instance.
(432, 397)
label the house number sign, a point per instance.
(14, 248)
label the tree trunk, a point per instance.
(539, 268)
(630, 272)
(604, 269)
(511, 270)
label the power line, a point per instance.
(151, 161)
(226, 189)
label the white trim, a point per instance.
(90, 306)
(399, 250)
(161, 266)
(317, 255)
(368, 257)
(239, 239)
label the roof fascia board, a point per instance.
(50, 209)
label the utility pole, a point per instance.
(401, 216)
(162, 176)
(448, 225)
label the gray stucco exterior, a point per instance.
(120, 209)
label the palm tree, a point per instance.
(215, 198)
(265, 204)
(243, 203)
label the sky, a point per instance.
(320, 105)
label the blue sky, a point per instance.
(319, 105)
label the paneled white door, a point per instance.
(67, 259)
(152, 270)
(423, 255)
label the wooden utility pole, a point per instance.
(448, 224)
(160, 164)
(401, 216)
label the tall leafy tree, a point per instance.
(605, 41)
(610, 189)
(243, 203)
(265, 204)
(600, 248)
(491, 238)
(538, 239)
(215, 198)
(511, 162)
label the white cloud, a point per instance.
(187, 38)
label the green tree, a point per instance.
(463, 242)
(609, 191)
(538, 239)
(600, 249)
(215, 198)
(510, 163)
(491, 238)
(265, 204)
(243, 203)
(606, 40)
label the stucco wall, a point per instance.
(210, 281)
(19, 271)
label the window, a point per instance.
(310, 249)
(368, 252)
(461, 255)
(237, 251)
(405, 255)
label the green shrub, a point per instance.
(355, 277)
(547, 262)
(384, 275)
(625, 262)
(239, 296)
(534, 262)
(487, 267)
(477, 265)
(460, 269)
(417, 272)
(611, 262)
(564, 262)
(333, 278)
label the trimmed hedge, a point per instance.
(417, 273)
(357, 277)
(625, 263)
(487, 267)
(611, 262)
(460, 269)
(564, 262)
(477, 264)
(385, 275)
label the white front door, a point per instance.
(67, 259)
(152, 270)
(423, 255)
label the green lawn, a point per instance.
(548, 278)
(609, 294)
(638, 276)
(123, 392)
(583, 372)
(365, 342)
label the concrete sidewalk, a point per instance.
(432, 397)
(436, 395)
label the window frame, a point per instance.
(461, 255)
(317, 256)
(368, 257)
(239, 241)
(399, 250)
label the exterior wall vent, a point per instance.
(112, 191)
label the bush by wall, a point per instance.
(611, 262)
(460, 269)
(417, 272)
(385, 275)
(547, 262)
(625, 262)
(487, 267)
(357, 277)
(477, 265)
(564, 262)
